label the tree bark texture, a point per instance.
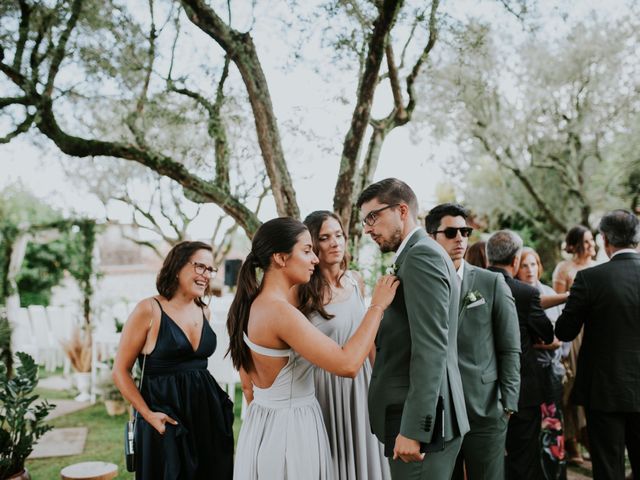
(344, 191)
(242, 52)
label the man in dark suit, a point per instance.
(606, 300)
(488, 349)
(504, 249)
(415, 397)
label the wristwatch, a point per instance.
(508, 411)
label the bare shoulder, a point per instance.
(283, 310)
(562, 266)
(207, 312)
(144, 311)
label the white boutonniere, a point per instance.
(391, 269)
(473, 299)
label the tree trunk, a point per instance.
(344, 191)
(242, 52)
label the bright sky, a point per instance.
(419, 164)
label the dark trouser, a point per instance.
(609, 432)
(483, 451)
(435, 466)
(523, 445)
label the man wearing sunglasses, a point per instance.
(416, 403)
(488, 348)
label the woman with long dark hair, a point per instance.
(184, 419)
(334, 304)
(580, 244)
(274, 347)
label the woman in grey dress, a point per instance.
(334, 304)
(273, 346)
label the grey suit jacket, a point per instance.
(488, 345)
(417, 353)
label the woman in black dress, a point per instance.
(184, 421)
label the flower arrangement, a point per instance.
(472, 297)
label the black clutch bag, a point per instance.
(130, 432)
(393, 419)
(130, 445)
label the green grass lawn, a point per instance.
(104, 439)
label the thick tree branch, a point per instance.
(241, 50)
(343, 197)
(219, 132)
(399, 115)
(394, 81)
(14, 75)
(35, 59)
(6, 101)
(60, 50)
(83, 147)
(23, 34)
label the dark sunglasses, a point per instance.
(452, 232)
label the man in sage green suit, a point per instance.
(416, 365)
(488, 349)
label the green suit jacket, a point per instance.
(417, 353)
(488, 345)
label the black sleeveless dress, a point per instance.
(176, 382)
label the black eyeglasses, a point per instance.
(202, 269)
(373, 215)
(452, 232)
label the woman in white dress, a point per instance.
(334, 304)
(274, 346)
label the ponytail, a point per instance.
(275, 236)
(238, 316)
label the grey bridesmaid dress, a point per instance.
(283, 434)
(355, 451)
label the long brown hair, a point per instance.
(311, 295)
(178, 256)
(275, 236)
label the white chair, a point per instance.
(222, 368)
(22, 339)
(103, 347)
(63, 322)
(43, 336)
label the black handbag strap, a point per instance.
(144, 363)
